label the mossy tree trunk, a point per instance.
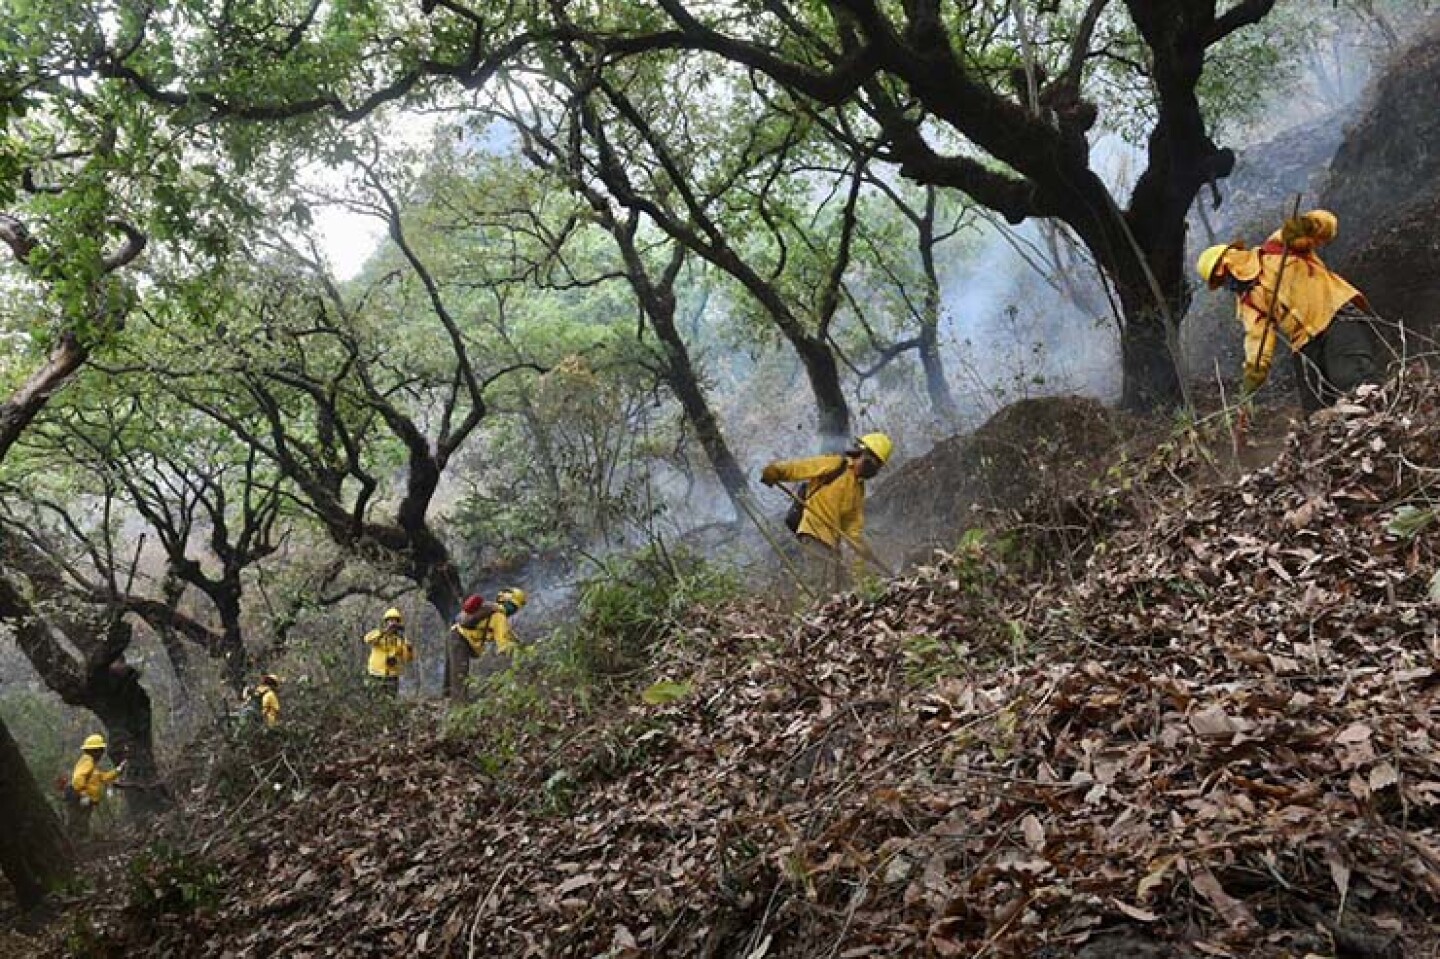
(35, 854)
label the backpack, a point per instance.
(480, 618)
(68, 795)
(477, 621)
(796, 514)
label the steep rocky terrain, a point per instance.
(1385, 186)
(1039, 448)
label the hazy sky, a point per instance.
(348, 239)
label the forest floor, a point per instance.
(1187, 708)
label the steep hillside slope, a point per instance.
(1220, 740)
(1385, 186)
(1034, 448)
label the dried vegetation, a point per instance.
(1218, 738)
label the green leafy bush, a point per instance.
(636, 602)
(506, 706)
(167, 881)
(626, 609)
(263, 765)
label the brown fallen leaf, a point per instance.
(1232, 910)
(1134, 912)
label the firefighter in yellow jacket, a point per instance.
(267, 692)
(478, 625)
(390, 652)
(1283, 289)
(89, 783)
(833, 511)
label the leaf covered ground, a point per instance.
(1217, 738)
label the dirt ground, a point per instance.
(1033, 447)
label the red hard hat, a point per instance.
(472, 603)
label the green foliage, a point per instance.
(558, 791)
(85, 939)
(929, 658)
(635, 602)
(980, 559)
(261, 765)
(539, 691)
(614, 752)
(629, 606)
(1410, 520)
(165, 880)
(979, 569)
(665, 691)
(47, 735)
(570, 466)
(869, 585)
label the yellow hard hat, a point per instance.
(93, 741)
(879, 444)
(1323, 224)
(516, 595)
(1209, 262)
(395, 614)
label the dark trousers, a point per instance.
(386, 685)
(1338, 360)
(457, 665)
(78, 819)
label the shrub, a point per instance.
(166, 881)
(262, 765)
(635, 602)
(626, 609)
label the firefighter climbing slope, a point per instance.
(1283, 289)
(830, 508)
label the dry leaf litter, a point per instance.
(1218, 739)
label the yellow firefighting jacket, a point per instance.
(834, 510)
(269, 704)
(1309, 297)
(389, 653)
(89, 781)
(496, 627)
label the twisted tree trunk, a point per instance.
(35, 854)
(114, 694)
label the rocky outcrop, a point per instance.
(1034, 447)
(1385, 187)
